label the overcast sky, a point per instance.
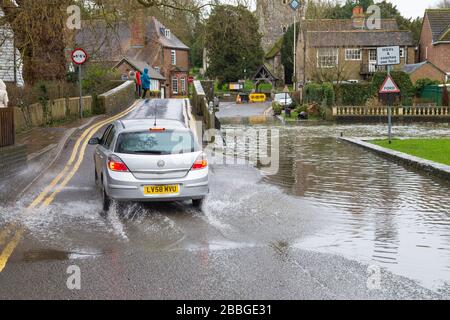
(408, 8)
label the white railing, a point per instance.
(423, 111)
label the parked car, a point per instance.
(283, 100)
(137, 161)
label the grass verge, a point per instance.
(437, 150)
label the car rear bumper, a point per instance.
(125, 187)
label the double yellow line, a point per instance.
(47, 196)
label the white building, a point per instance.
(10, 61)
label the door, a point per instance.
(372, 60)
(102, 152)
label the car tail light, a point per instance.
(200, 163)
(116, 164)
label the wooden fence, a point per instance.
(7, 128)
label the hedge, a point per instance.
(403, 81)
(313, 93)
(350, 94)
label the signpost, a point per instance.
(389, 88)
(295, 5)
(389, 56)
(79, 57)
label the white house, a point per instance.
(10, 61)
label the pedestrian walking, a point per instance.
(145, 83)
(3, 95)
(138, 84)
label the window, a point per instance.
(173, 57)
(327, 57)
(110, 138)
(167, 33)
(156, 143)
(284, 29)
(183, 85)
(402, 52)
(352, 54)
(105, 135)
(175, 86)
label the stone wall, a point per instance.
(59, 109)
(117, 99)
(274, 17)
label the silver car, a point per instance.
(138, 161)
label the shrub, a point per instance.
(422, 83)
(98, 79)
(277, 109)
(313, 93)
(349, 94)
(328, 94)
(402, 79)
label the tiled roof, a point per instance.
(172, 42)
(112, 42)
(411, 68)
(440, 24)
(141, 66)
(345, 25)
(359, 38)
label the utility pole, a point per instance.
(294, 78)
(295, 5)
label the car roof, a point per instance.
(146, 124)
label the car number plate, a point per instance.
(158, 190)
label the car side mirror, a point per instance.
(94, 141)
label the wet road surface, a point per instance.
(315, 230)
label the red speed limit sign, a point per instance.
(79, 56)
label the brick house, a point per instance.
(434, 45)
(423, 70)
(346, 50)
(143, 42)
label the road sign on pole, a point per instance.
(388, 56)
(390, 88)
(79, 57)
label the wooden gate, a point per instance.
(7, 129)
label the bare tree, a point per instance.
(443, 4)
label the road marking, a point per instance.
(5, 233)
(4, 257)
(86, 136)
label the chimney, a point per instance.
(138, 29)
(358, 17)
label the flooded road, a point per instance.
(314, 230)
(373, 209)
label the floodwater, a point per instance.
(328, 198)
(370, 208)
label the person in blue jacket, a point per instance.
(146, 80)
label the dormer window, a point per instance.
(167, 33)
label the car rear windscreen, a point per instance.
(156, 142)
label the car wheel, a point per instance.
(106, 201)
(197, 203)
